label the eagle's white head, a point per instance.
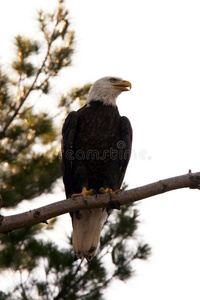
(107, 89)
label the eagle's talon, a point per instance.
(84, 194)
(105, 191)
(100, 190)
(94, 192)
(109, 191)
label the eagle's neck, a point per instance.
(107, 98)
(101, 102)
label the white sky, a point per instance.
(156, 45)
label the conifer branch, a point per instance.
(42, 214)
(23, 99)
(49, 41)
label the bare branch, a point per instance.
(40, 215)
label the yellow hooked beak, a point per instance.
(123, 85)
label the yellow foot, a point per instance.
(108, 191)
(105, 191)
(84, 194)
(113, 203)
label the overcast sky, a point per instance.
(155, 44)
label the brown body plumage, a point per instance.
(95, 152)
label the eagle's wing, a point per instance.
(125, 145)
(86, 224)
(68, 133)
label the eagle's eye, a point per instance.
(113, 80)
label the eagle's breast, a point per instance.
(97, 128)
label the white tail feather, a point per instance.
(86, 232)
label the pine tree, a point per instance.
(30, 166)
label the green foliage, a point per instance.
(25, 48)
(25, 172)
(30, 166)
(118, 240)
(79, 94)
(62, 278)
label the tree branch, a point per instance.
(41, 214)
(32, 87)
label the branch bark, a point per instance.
(42, 214)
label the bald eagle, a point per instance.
(96, 147)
